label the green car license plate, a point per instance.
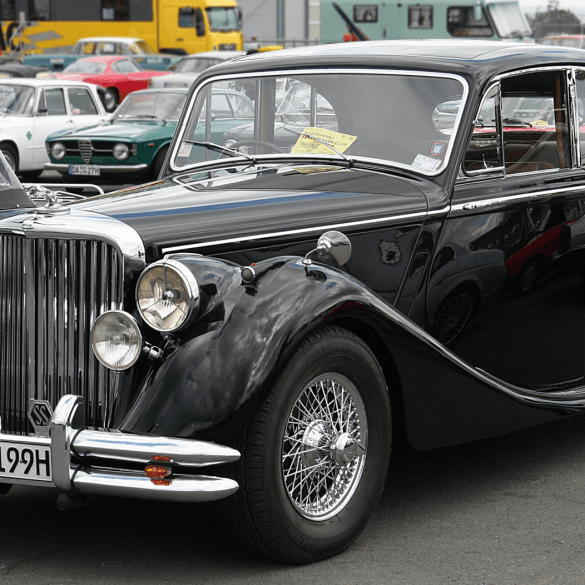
(85, 170)
(25, 461)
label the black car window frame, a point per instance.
(569, 75)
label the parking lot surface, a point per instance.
(502, 511)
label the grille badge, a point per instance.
(85, 148)
(40, 415)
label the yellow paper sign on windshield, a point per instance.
(315, 141)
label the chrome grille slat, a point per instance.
(51, 291)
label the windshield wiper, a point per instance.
(343, 156)
(221, 149)
(147, 116)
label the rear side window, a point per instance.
(81, 102)
(125, 66)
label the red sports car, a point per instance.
(119, 75)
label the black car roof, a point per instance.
(472, 58)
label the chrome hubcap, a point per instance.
(324, 446)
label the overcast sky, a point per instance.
(577, 6)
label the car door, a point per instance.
(51, 115)
(520, 194)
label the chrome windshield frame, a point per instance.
(179, 133)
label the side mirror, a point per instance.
(334, 244)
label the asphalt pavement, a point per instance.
(509, 510)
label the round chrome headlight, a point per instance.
(116, 340)
(121, 151)
(167, 295)
(58, 150)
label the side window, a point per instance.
(186, 17)
(89, 48)
(420, 17)
(535, 120)
(523, 126)
(580, 85)
(125, 66)
(242, 107)
(484, 152)
(468, 21)
(81, 102)
(55, 102)
(220, 106)
(108, 48)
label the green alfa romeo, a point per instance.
(133, 142)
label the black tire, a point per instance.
(111, 98)
(453, 315)
(326, 510)
(10, 155)
(30, 175)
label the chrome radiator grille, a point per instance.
(51, 291)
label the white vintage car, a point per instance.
(31, 109)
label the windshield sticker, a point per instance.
(322, 141)
(437, 148)
(185, 149)
(426, 163)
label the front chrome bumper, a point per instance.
(105, 169)
(104, 463)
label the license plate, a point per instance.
(25, 461)
(88, 170)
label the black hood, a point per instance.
(199, 208)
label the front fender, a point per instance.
(228, 358)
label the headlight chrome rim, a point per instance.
(192, 294)
(134, 328)
(56, 153)
(121, 151)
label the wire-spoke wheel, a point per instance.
(315, 455)
(324, 446)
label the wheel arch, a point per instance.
(14, 145)
(383, 353)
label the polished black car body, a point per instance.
(458, 316)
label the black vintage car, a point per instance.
(257, 324)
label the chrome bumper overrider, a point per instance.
(102, 458)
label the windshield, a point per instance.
(509, 20)
(195, 65)
(83, 66)
(223, 19)
(16, 100)
(164, 105)
(332, 114)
